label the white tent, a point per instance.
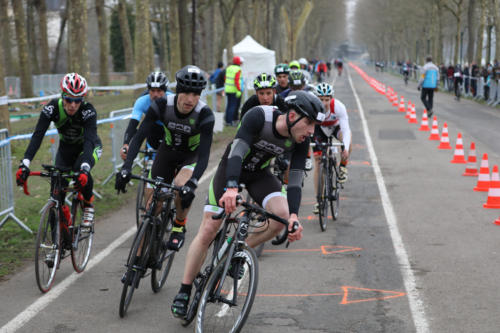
(257, 59)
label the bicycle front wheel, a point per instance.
(48, 247)
(228, 311)
(322, 197)
(82, 238)
(164, 257)
(334, 195)
(140, 202)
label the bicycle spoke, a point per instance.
(47, 251)
(82, 239)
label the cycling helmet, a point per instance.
(306, 104)
(157, 80)
(281, 69)
(74, 84)
(296, 78)
(190, 79)
(263, 81)
(303, 61)
(324, 89)
(294, 64)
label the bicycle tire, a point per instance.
(82, 238)
(322, 197)
(334, 197)
(140, 204)
(164, 257)
(48, 247)
(136, 266)
(211, 310)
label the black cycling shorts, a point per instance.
(169, 162)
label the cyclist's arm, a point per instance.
(250, 126)
(89, 136)
(297, 164)
(207, 121)
(341, 112)
(141, 106)
(146, 127)
(41, 127)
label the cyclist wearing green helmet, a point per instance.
(281, 71)
(265, 94)
(296, 81)
(294, 65)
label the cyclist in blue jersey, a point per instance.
(428, 83)
(157, 87)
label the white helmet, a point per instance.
(303, 61)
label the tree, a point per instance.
(78, 58)
(6, 42)
(103, 42)
(456, 8)
(470, 24)
(174, 45)
(43, 40)
(4, 111)
(126, 36)
(143, 60)
(63, 13)
(227, 10)
(184, 32)
(496, 19)
(22, 49)
(480, 32)
(32, 40)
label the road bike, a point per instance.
(328, 183)
(405, 77)
(60, 232)
(140, 201)
(149, 248)
(226, 288)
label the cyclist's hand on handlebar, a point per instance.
(22, 174)
(123, 152)
(228, 200)
(122, 178)
(345, 154)
(293, 223)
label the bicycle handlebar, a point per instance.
(158, 181)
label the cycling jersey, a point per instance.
(278, 101)
(429, 76)
(77, 133)
(336, 118)
(184, 133)
(249, 154)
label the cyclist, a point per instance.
(264, 133)
(336, 123)
(157, 83)
(340, 66)
(405, 69)
(281, 71)
(184, 153)
(304, 65)
(79, 147)
(294, 65)
(296, 81)
(458, 79)
(265, 94)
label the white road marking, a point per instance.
(31, 311)
(416, 304)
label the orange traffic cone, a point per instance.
(413, 116)
(402, 105)
(494, 190)
(483, 180)
(459, 156)
(395, 99)
(471, 168)
(408, 110)
(435, 130)
(424, 126)
(445, 140)
(497, 222)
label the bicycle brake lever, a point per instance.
(295, 227)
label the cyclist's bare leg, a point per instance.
(278, 206)
(198, 249)
(180, 179)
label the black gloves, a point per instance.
(22, 174)
(187, 193)
(122, 178)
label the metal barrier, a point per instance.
(6, 186)
(497, 100)
(493, 93)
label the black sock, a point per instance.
(186, 288)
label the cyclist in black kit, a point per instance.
(185, 151)
(79, 146)
(265, 94)
(281, 71)
(263, 134)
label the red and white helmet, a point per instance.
(74, 84)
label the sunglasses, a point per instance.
(76, 100)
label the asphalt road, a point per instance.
(412, 251)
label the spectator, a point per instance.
(474, 77)
(442, 71)
(449, 74)
(233, 88)
(217, 78)
(428, 83)
(466, 76)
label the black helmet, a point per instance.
(296, 78)
(190, 79)
(306, 104)
(263, 81)
(157, 80)
(281, 69)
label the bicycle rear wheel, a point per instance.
(48, 247)
(221, 314)
(136, 265)
(164, 257)
(322, 197)
(82, 238)
(334, 197)
(140, 202)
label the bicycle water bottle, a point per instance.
(223, 248)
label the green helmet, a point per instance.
(295, 64)
(281, 69)
(296, 78)
(263, 81)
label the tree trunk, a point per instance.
(103, 42)
(64, 18)
(41, 10)
(22, 50)
(78, 60)
(32, 41)
(193, 33)
(480, 33)
(227, 10)
(184, 32)
(142, 38)
(488, 41)
(126, 36)
(457, 41)
(496, 17)
(6, 42)
(174, 46)
(471, 36)
(294, 29)
(4, 110)
(440, 44)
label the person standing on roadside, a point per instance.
(428, 83)
(233, 89)
(217, 78)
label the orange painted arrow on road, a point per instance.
(324, 249)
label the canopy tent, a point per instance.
(257, 59)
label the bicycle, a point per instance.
(328, 183)
(225, 290)
(140, 202)
(60, 229)
(405, 77)
(149, 248)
